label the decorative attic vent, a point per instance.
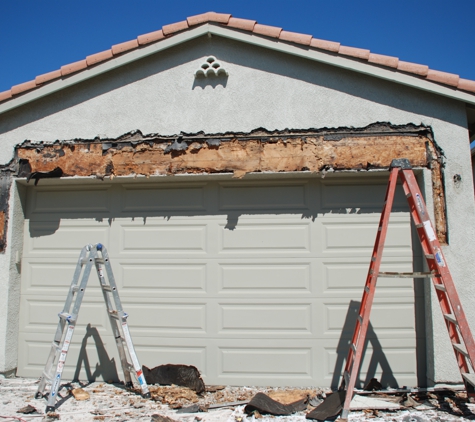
(211, 67)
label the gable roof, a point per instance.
(447, 84)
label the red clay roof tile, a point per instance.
(443, 77)
(359, 53)
(5, 95)
(25, 86)
(174, 27)
(73, 67)
(268, 31)
(125, 46)
(150, 37)
(249, 26)
(325, 45)
(295, 37)
(244, 24)
(383, 60)
(46, 77)
(208, 17)
(99, 57)
(466, 85)
(418, 69)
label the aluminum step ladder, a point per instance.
(456, 322)
(97, 256)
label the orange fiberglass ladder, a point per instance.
(456, 322)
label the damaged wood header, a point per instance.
(259, 151)
(313, 150)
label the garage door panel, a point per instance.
(73, 201)
(263, 196)
(266, 362)
(390, 318)
(153, 237)
(99, 353)
(347, 195)
(70, 236)
(266, 238)
(177, 318)
(145, 278)
(159, 198)
(393, 362)
(356, 235)
(348, 278)
(265, 319)
(40, 314)
(265, 278)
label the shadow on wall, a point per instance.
(106, 368)
(377, 356)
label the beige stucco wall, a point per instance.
(266, 89)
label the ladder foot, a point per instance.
(147, 396)
(50, 409)
(129, 385)
(38, 396)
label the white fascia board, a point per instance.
(249, 38)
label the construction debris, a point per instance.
(183, 375)
(114, 403)
(80, 394)
(329, 408)
(267, 406)
(365, 402)
(28, 409)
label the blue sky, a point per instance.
(38, 36)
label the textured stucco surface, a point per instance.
(264, 89)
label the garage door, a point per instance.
(254, 282)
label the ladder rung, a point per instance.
(406, 275)
(366, 289)
(75, 288)
(460, 348)
(440, 287)
(360, 319)
(56, 346)
(106, 288)
(409, 195)
(419, 226)
(451, 318)
(114, 314)
(430, 256)
(66, 316)
(470, 378)
(353, 346)
(346, 377)
(99, 260)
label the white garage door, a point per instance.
(253, 282)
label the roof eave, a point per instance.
(273, 44)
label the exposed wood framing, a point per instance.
(373, 147)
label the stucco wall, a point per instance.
(264, 89)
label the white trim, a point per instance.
(280, 46)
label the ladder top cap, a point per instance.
(403, 163)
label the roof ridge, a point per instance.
(226, 20)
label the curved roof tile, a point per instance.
(247, 25)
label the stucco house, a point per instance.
(236, 172)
